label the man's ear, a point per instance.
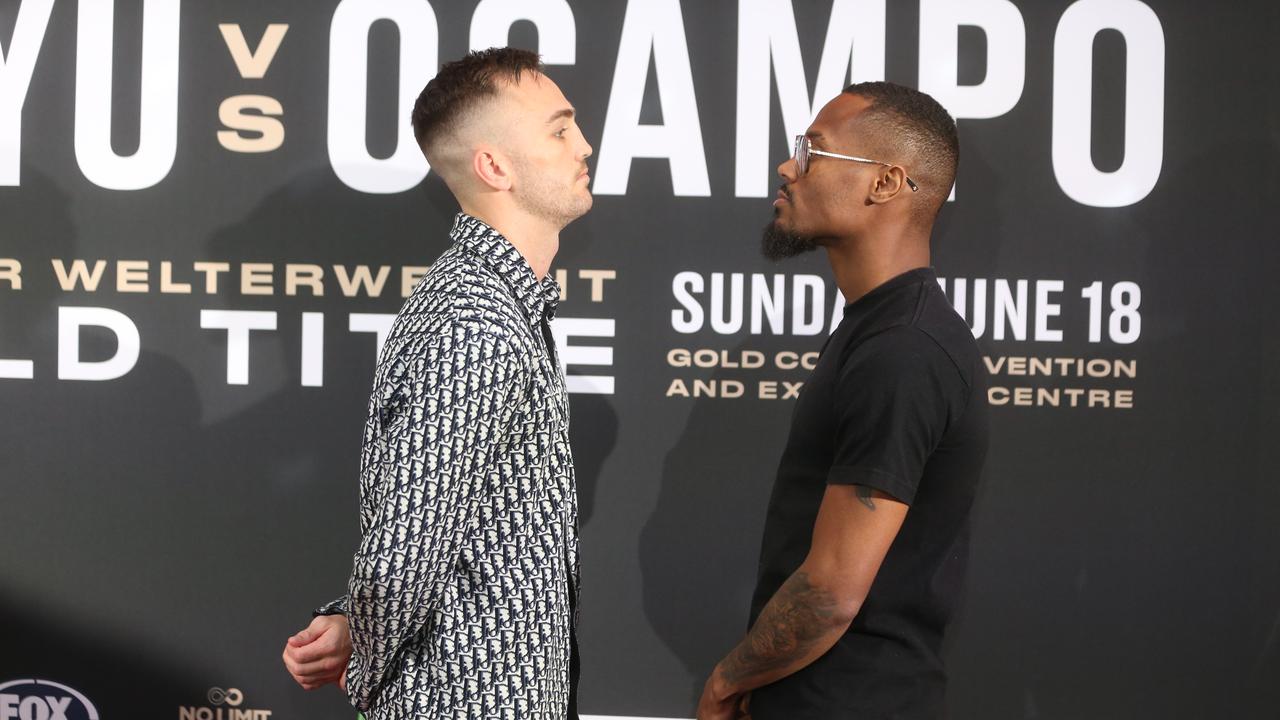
(492, 167)
(889, 181)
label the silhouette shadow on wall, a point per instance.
(89, 525)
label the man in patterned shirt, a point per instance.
(462, 599)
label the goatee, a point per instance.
(779, 244)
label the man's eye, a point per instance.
(560, 133)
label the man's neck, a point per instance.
(861, 266)
(537, 242)
(538, 249)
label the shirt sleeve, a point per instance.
(894, 399)
(441, 423)
(333, 607)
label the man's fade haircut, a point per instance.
(461, 85)
(911, 122)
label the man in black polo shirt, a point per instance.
(867, 531)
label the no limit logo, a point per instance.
(223, 705)
(43, 700)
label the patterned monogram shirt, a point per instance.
(463, 596)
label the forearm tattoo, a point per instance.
(789, 626)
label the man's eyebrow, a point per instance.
(566, 112)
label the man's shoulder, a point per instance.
(895, 348)
(457, 277)
(940, 321)
(461, 288)
(461, 300)
(916, 347)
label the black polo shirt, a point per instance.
(897, 402)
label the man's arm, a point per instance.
(432, 458)
(815, 606)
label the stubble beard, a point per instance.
(541, 196)
(778, 243)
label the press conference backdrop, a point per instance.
(210, 212)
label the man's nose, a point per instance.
(787, 169)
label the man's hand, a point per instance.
(716, 705)
(318, 655)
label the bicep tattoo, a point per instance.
(864, 496)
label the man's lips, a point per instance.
(782, 197)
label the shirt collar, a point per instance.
(910, 277)
(539, 299)
(856, 311)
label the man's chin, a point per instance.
(779, 243)
(581, 205)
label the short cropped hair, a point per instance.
(912, 122)
(461, 85)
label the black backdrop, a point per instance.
(164, 528)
